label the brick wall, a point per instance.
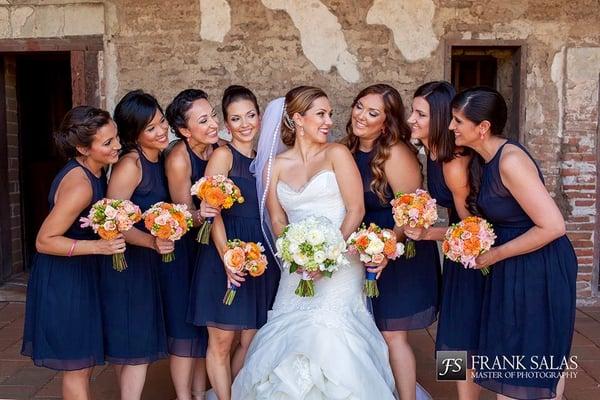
(13, 163)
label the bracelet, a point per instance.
(70, 253)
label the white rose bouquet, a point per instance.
(311, 245)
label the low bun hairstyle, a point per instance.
(181, 104)
(396, 130)
(133, 113)
(480, 104)
(298, 100)
(78, 128)
(235, 93)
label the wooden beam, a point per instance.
(78, 78)
(83, 43)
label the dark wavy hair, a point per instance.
(78, 128)
(396, 130)
(480, 104)
(176, 112)
(132, 114)
(235, 93)
(439, 95)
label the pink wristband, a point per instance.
(70, 253)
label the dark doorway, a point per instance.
(43, 96)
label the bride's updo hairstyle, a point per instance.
(395, 130)
(298, 100)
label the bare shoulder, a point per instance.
(337, 150)
(222, 153)
(402, 153)
(177, 156)
(514, 161)
(75, 186)
(457, 166)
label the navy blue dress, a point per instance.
(63, 325)
(134, 326)
(408, 288)
(184, 339)
(529, 301)
(256, 295)
(462, 288)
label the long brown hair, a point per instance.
(395, 130)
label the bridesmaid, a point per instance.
(65, 332)
(529, 301)
(134, 326)
(379, 138)
(254, 296)
(193, 120)
(448, 183)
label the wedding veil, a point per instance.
(269, 145)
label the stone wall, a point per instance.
(341, 46)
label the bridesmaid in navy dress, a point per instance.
(448, 183)
(529, 301)
(193, 120)
(254, 295)
(378, 136)
(64, 332)
(134, 326)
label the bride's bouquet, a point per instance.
(468, 239)
(373, 245)
(312, 245)
(417, 210)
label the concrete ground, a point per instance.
(20, 379)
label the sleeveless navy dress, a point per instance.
(256, 295)
(408, 288)
(132, 313)
(63, 325)
(529, 301)
(462, 288)
(184, 339)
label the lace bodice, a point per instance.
(320, 196)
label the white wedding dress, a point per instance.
(321, 347)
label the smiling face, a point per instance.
(419, 119)
(368, 117)
(316, 122)
(243, 120)
(105, 146)
(155, 133)
(466, 132)
(202, 124)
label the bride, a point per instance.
(326, 346)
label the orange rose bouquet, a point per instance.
(243, 257)
(168, 221)
(110, 217)
(373, 245)
(468, 239)
(218, 191)
(417, 210)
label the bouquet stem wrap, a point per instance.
(204, 232)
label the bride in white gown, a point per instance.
(326, 346)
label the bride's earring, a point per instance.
(301, 131)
